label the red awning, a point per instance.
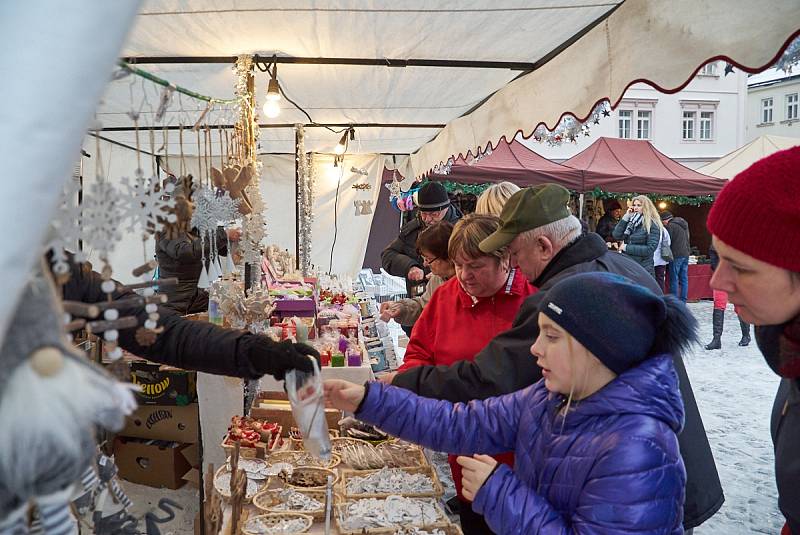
(635, 166)
(515, 163)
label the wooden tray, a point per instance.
(346, 475)
(323, 471)
(292, 456)
(415, 455)
(267, 499)
(340, 510)
(273, 519)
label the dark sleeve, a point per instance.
(505, 365)
(619, 231)
(648, 249)
(191, 345)
(395, 261)
(188, 248)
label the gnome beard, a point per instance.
(51, 400)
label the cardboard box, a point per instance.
(155, 463)
(274, 407)
(162, 385)
(164, 422)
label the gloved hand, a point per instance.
(277, 358)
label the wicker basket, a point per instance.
(346, 475)
(323, 472)
(296, 437)
(273, 519)
(291, 457)
(226, 493)
(268, 499)
(341, 510)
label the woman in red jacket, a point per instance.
(464, 314)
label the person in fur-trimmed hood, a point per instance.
(758, 244)
(595, 441)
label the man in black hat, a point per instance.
(401, 258)
(607, 223)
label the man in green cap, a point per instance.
(546, 243)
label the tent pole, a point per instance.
(297, 206)
(580, 207)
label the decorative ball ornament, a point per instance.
(112, 335)
(115, 354)
(111, 314)
(108, 286)
(47, 361)
(150, 324)
(150, 308)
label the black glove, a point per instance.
(277, 358)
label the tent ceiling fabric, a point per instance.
(465, 30)
(643, 40)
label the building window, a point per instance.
(706, 125)
(643, 124)
(625, 123)
(766, 110)
(689, 118)
(709, 69)
(791, 106)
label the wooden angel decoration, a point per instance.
(178, 221)
(234, 179)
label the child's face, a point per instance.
(567, 366)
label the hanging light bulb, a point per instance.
(341, 146)
(272, 109)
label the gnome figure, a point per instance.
(51, 400)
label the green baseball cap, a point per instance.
(528, 209)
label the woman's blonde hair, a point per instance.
(494, 198)
(469, 232)
(649, 212)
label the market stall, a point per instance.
(193, 95)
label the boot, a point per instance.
(745, 341)
(718, 321)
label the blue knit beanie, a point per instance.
(618, 321)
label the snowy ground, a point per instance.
(734, 390)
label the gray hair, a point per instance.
(561, 232)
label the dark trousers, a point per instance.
(471, 522)
(661, 272)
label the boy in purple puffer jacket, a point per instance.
(595, 439)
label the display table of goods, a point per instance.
(383, 486)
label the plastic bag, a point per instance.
(308, 408)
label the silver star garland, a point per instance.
(305, 198)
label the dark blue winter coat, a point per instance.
(611, 466)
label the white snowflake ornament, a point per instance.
(101, 220)
(142, 205)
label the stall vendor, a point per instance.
(193, 345)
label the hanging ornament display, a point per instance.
(204, 219)
(246, 134)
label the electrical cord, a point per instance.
(336, 216)
(265, 67)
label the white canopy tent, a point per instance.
(737, 161)
(530, 61)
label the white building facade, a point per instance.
(695, 126)
(773, 104)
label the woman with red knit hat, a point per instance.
(759, 267)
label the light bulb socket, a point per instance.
(273, 89)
